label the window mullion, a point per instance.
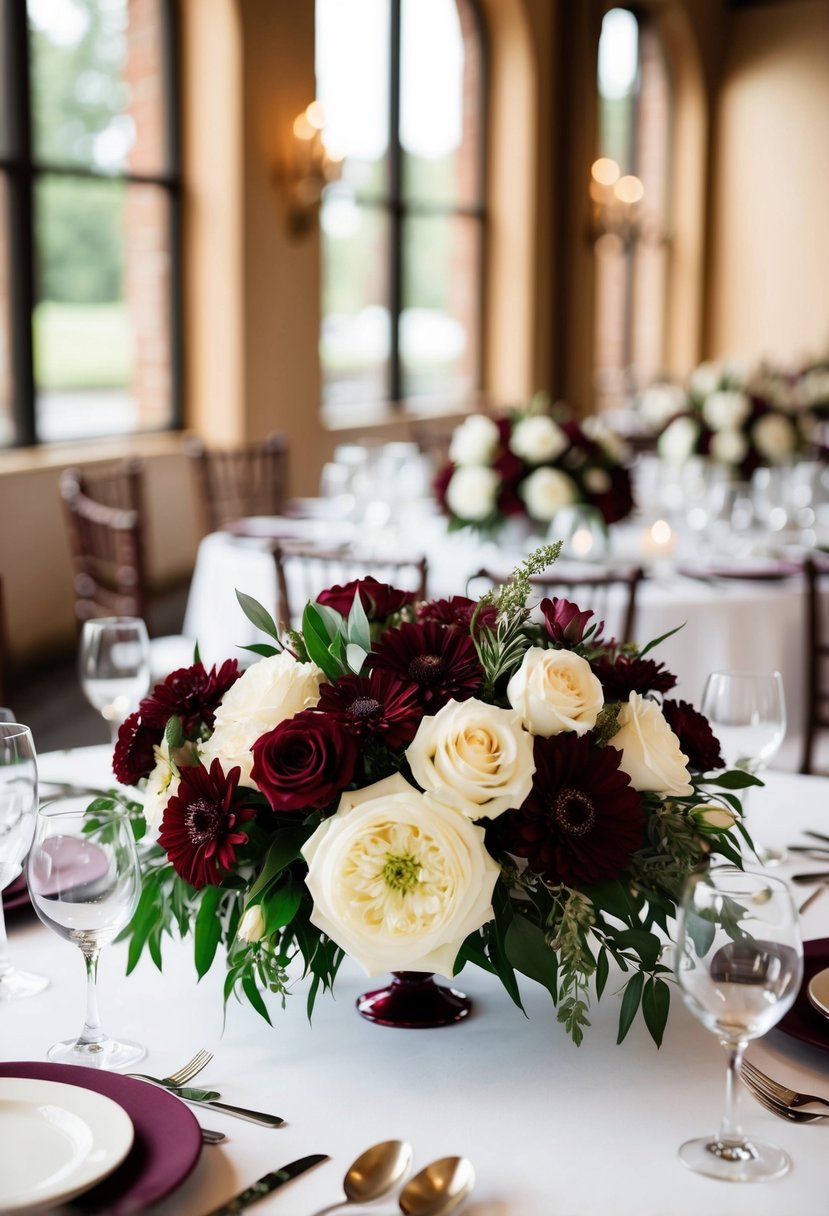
(395, 209)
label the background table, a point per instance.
(551, 1130)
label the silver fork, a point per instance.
(782, 1111)
(774, 1090)
(182, 1075)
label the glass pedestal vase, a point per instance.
(413, 999)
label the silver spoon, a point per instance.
(375, 1172)
(439, 1188)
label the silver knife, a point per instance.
(267, 1183)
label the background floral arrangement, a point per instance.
(738, 417)
(532, 463)
(422, 786)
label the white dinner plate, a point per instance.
(818, 991)
(57, 1141)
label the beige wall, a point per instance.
(769, 284)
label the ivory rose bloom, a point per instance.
(726, 410)
(774, 437)
(678, 440)
(472, 491)
(729, 447)
(474, 757)
(546, 491)
(538, 439)
(475, 441)
(713, 817)
(269, 692)
(651, 754)
(658, 404)
(399, 880)
(555, 690)
(252, 925)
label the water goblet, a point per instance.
(739, 968)
(18, 806)
(114, 664)
(84, 883)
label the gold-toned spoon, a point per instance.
(439, 1188)
(375, 1172)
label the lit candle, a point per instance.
(581, 542)
(658, 539)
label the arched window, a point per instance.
(402, 82)
(89, 197)
(630, 208)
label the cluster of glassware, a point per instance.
(374, 485)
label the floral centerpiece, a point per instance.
(529, 464)
(426, 785)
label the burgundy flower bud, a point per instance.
(565, 622)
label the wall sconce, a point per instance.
(310, 166)
(617, 211)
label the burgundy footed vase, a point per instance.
(413, 999)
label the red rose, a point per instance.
(304, 762)
(379, 600)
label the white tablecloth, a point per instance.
(551, 1130)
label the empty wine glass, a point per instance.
(18, 805)
(114, 664)
(84, 883)
(739, 967)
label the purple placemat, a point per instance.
(167, 1137)
(803, 1021)
(16, 895)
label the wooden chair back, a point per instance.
(232, 483)
(610, 593)
(816, 657)
(303, 571)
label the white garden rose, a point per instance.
(658, 404)
(472, 492)
(269, 692)
(474, 757)
(726, 410)
(651, 755)
(555, 691)
(538, 439)
(774, 437)
(546, 491)
(713, 817)
(398, 880)
(475, 441)
(813, 387)
(611, 443)
(706, 378)
(162, 784)
(678, 441)
(729, 447)
(252, 925)
(597, 480)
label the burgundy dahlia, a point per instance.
(191, 693)
(442, 662)
(203, 824)
(458, 611)
(624, 674)
(582, 819)
(134, 756)
(696, 738)
(304, 762)
(380, 703)
(379, 600)
(565, 622)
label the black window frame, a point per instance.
(21, 171)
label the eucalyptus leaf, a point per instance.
(630, 1004)
(656, 1005)
(257, 614)
(355, 656)
(359, 630)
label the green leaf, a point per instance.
(257, 615)
(528, 950)
(496, 931)
(657, 641)
(734, 779)
(174, 733)
(602, 972)
(280, 907)
(359, 630)
(144, 920)
(701, 932)
(255, 997)
(285, 849)
(208, 930)
(317, 642)
(656, 1004)
(263, 649)
(630, 1003)
(355, 656)
(647, 945)
(612, 897)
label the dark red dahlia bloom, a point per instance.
(582, 819)
(564, 621)
(191, 693)
(623, 674)
(441, 484)
(134, 757)
(379, 600)
(616, 502)
(458, 611)
(202, 824)
(380, 703)
(304, 762)
(696, 738)
(442, 662)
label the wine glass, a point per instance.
(18, 805)
(739, 967)
(84, 883)
(747, 712)
(114, 663)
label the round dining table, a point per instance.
(550, 1129)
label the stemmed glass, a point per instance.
(114, 665)
(739, 967)
(747, 712)
(84, 883)
(18, 805)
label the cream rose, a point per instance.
(474, 757)
(729, 447)
(713, 817)
(726, 410)
(651, 754)
(678, 440)
(546, 491)
(538, 439)
(252, 925)
(775, 437)
(706, 378)
(658, 404)
(399, 880)
(475, 441)
(472, 492)
(597, 480)
(554, 691)
(268, 693)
